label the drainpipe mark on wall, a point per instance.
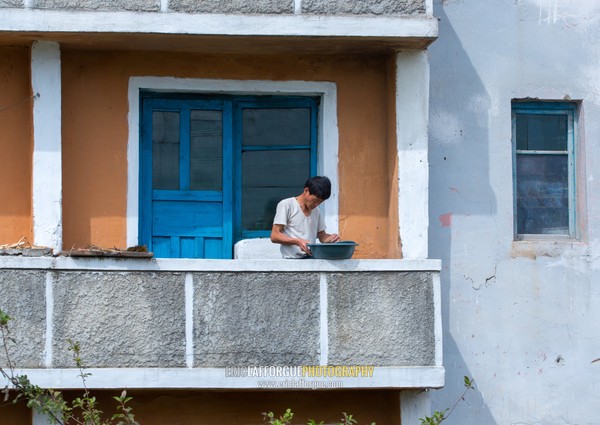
(446, 219)
(552, 15)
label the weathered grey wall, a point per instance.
(11, 3)
(381, 318)
(138, 319)
(321, 7)
(521, 318)
(361, 7)
(22, 296)
(134, 5)
(256, 319)
(120, 319)
(232, 6)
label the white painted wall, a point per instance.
(522, 320)
(47, 142)
(412, 104)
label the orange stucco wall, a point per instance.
(95, 135)
(394, 242)
(15, 144)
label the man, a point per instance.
(298, 222)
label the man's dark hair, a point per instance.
(319, 186)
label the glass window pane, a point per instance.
(206, 150)
(542, 194)
(267, 178)
(272, 127)
(542, 132)
(165, 150)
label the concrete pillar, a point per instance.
(38, 418)
(412, 112)
(414, 404)
(47, 162)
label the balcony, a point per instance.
(161, 323)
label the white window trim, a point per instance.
(328, 130)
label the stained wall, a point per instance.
(15, 144)
(520, 317)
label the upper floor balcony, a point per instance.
(186, 323)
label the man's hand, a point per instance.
(303, 244)
(328, 238)
(277, 236)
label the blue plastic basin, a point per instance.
(333, 251)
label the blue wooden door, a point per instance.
(186, 178)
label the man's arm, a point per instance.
(277, 236)
(328, 237)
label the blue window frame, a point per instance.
(214, 167)
(544, 169)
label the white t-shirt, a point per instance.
(297, 225)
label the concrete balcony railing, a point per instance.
(318, 7)
(188, 323)
(233, 26)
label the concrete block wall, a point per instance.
(171, 319)
(317, 7)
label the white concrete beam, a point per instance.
(412, 113)
(218, 378)
(47, 162)
(26, 20)
(414, 404)
(38, 418)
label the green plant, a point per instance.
(286, 419)
(441, 415)
(82, 410)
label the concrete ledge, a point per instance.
(155, 317)
(215, 378)
(60, 21)
(188, 265)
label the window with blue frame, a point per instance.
(544, 169)
(214, 168)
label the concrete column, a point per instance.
(412, 112)
(47, 162)
(414, 404)
(38, 418)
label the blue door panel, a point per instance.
(185, 218)
(188, 247)
(175, 247)
(187, 221)
(176, 223)
(213, 247)
(161, 246)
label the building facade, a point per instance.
(519, 278)
(177, 125)
(461, 131)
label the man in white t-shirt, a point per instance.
(298, 222)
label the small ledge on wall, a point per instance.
(534, 248)
(24, 248)
(138, 251)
